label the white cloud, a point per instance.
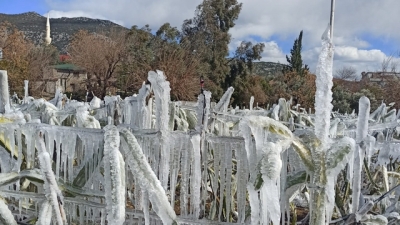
(272, 53)
(360, 59)
(128, 13)
(268, 19)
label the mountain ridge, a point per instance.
(33, 25)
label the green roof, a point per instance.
(67, 66)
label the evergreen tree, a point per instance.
(208, 33)
(295, 61)
(241, 66)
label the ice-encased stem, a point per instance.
(114, 174)
(162, 90)
(45, 214)
(323, 95)
(141, 169)
(4, 92)
(223, 103)
(196, 177)
(6, 216)
(26, 82)
(362, 132)
(259, 127)
(53, 193)
(323, 109)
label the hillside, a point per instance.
(62, 29)
(268, 68)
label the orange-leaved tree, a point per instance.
(101, 56)
(15, 49)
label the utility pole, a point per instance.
(332, 19)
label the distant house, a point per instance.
(379, 78)
(65, 77)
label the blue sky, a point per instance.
(20, 6)
(366, 31)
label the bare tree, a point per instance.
(346, 73)
(39, 59)
(389, 63)
(100, 56)
(14, 46)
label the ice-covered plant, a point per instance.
(53, 193)
(148, 180)
(6, 217)
(114, 174)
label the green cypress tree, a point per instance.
(295, 61)
(208, 33)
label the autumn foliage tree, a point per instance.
(163, 51)
(291, 85)
(15, 49)
(40, 58)
(101, 56)
(23, 60)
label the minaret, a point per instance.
(47, 39)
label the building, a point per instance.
(64, 77)
(379, 78)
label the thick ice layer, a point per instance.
(362, 132)
(53, 193)
(83, 119)
(323, 95)
(196, 176)
(270, 169)
(95, 103)
(161, 89)
(114, 174)
(45, 214)
(142, 171)
(271, 166)
(337, 157)
(6, 217)
(251, 102)
(222, 105)
(4, 92)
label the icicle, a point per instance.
(143, 93)
(185, 169)
(26, 82)
(251, 102)
(162, 90)
(222, 173)
(229, 148)
(362, 132)
(175, 161)
(242, 175)
(145, 206)
(53, 193)
(196, 176)
(337, 157)
(114, 174)
(283, 110)
(4, 92)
